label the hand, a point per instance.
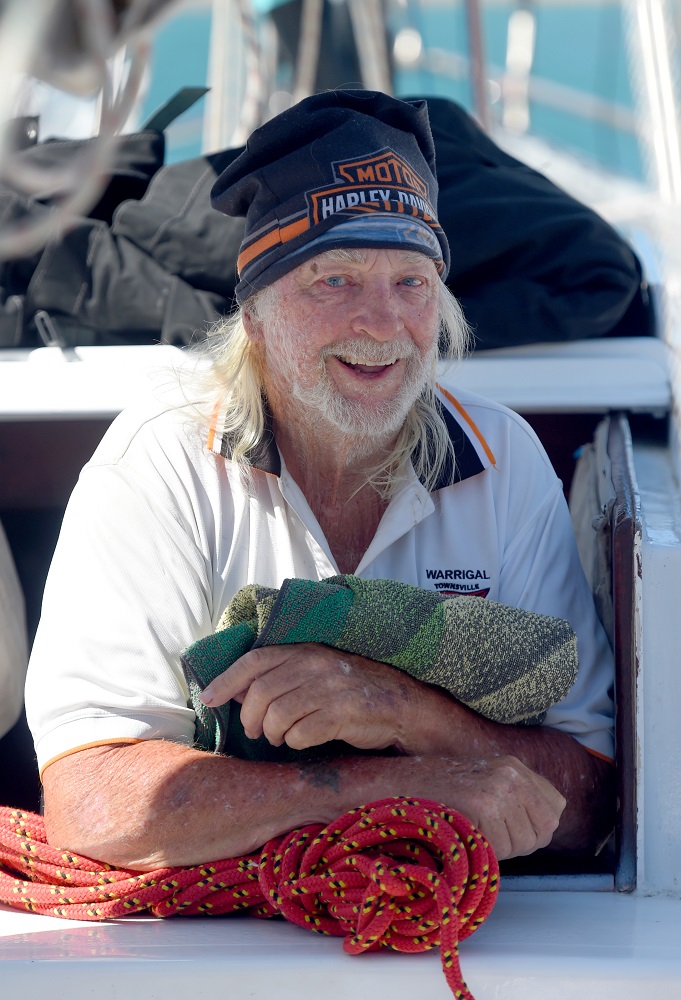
(517, 809)
(307, 694)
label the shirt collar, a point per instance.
(472, 454)
(265, 456)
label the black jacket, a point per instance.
(154, 262)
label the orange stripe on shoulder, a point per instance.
(601, 756)
(212, 429)
(471, 423)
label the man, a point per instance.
(331, 449)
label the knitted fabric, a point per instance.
(505, 663)
(333, 160)
(400, 873)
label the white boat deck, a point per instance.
(589, 376)
(534, 946)
(538, 945)
(585, 376)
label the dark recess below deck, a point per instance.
(39, 465)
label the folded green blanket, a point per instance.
(507, 664)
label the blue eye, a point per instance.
(335, 280)
(412, 281)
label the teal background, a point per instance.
(577, 45)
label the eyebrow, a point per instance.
(337, 255)
(342, 255)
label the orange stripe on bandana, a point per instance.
(275, 236)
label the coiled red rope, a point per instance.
(400, 873)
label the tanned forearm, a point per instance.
(157, 804)
(440, 725)
(306, 694)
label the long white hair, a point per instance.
(233, 382)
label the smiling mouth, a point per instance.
(363, 368)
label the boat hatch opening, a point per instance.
(40, 459)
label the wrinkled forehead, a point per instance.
(359, 255)
(275, 299)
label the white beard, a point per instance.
(367, 425)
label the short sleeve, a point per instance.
(129, 588)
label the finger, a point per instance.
(544, 810)
(306, 667)
(312, 730)
(519, 811)
(241, 674)
(273, 712)
(524, 834)
(497, 834)
(556, 800)
(512, 831)
(284, 694)
(536, 820)
(504, 820)
(545, 824)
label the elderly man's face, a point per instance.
(351, 341)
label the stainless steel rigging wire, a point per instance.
(69, 44)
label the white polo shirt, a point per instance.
(160, 533)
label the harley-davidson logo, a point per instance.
(385, 167)
(381, 182)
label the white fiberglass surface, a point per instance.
(534, 946)
(585, 376)
(658, 678)
(594, 376)
(81, 382)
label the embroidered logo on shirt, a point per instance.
(458, 582)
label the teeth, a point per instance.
(357, 361)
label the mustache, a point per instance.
(369, 352)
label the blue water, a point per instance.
(578, 46)
(179, 59)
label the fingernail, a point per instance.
(207, 695)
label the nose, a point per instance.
(377, 312)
